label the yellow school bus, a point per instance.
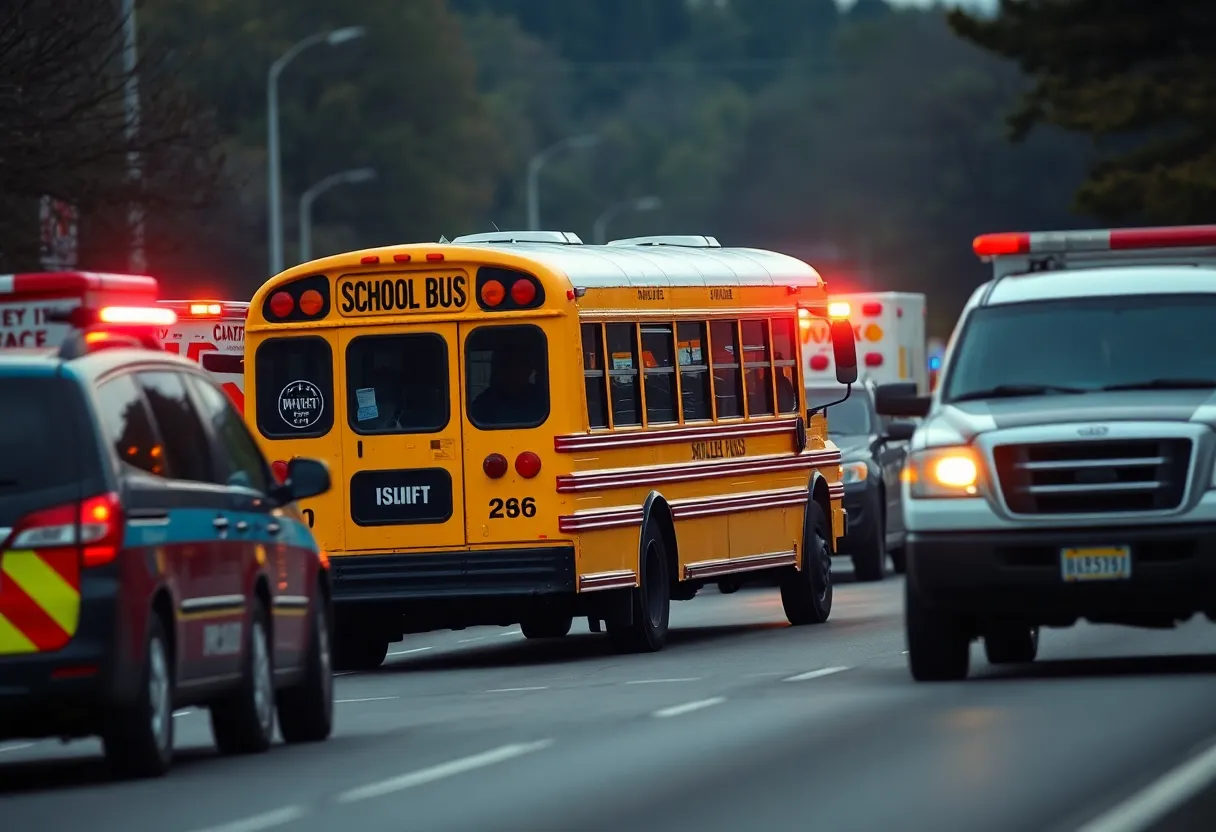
(526, 429)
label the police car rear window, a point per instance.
(46, 454)
(295, 379)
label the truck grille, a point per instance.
(1093, 477)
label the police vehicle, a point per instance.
(1064, 470)
(148, 558)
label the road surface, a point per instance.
(742, 723)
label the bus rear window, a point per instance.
(397, 383)
(507, 373)
(295, 380)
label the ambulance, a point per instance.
(211, 332)
(891, 346)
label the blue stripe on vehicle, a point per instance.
(186, 525)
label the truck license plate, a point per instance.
(1096, 563)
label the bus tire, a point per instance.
(546, 625)
(806, 593)
(646, 629)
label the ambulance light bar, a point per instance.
(112, 326)
(988, 246)
(838, 309)
(137, 316)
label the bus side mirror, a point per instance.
(844, 351)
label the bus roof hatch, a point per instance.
(565, 238)
(680, 240)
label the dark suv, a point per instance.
(148, 558)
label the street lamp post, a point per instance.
(137, 260)
(539, 160)
(332, 38)
(599, 232)
(346, 177)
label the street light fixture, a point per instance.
(539, 160)
(334, 37)
(346, 177)
(599, 232)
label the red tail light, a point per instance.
(94, 527)
(282, 304)
(279, 469)
(819, 363)
(523, 291)
(527, 465)
(495, 466)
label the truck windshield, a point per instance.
(1083, 345)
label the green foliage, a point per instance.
(1136, 78)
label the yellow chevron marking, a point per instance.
(13, 640)
(45, 586)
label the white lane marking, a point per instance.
(266, 820)
(471, 640)
(814, 674)
(21, 746)
(414, 650)
(516, 690)
(443, 771)
(1158, 799)
(368, 699)
(663, 681)
(689, 707)
(512, 633)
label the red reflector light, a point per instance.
(150, 315)
(279, 469)
(873, 359)
(401, 258)
(492, 293)
(282, 304)
(819, 363)
(995, 245)
(370, 260)
(494, 466)
(311, 302)
(527, 465)
(523, 291)
(435, 256)
(871, 310)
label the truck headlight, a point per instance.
(944, 472)
(851, 472)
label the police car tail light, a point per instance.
(136, 316)
(494, 466)
(527, 465)
(944, 472)
(279, 469)
(839, 309)
(873, 359)
(93, 525)
(819, 363)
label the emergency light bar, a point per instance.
(112, 326)
(988, 246)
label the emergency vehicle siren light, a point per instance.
(1116, 239)
(203, 309)
(839, 309)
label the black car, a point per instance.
(873, 451)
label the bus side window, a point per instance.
(728, 380)
(785, 364)
(694, 371)
(594, 375)
(623, 374)
(660, 374)
(757, 367)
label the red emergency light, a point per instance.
(207, 308)
(1116, 239)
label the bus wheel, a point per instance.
(806, 594)
(646, 632)
(546, 625)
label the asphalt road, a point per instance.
(743, 723)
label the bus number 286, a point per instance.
(513, 507)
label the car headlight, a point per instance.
(944, 472)
(851, 472)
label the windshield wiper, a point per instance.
(1166, 384)
(1009, 391)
